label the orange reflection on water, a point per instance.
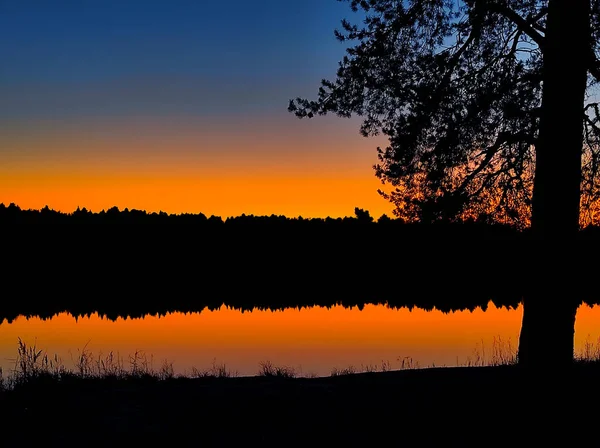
(312, 340)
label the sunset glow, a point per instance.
(298, 170)
(314, 340)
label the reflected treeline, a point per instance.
(131, 263)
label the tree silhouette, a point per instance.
(484, 106)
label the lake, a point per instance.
(313, 341)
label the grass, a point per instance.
(215, 371)
(590, 352)
(350, 370)
(268, 369)
(33, 365)
(501, 353)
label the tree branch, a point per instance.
(533, 20)
(523, 24)
(502, 139)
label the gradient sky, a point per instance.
(177, 105)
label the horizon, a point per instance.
(156, 212)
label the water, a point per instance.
(312, 340)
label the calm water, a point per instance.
(311, 340)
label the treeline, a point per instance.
(131, 263)
(384, 231)
(13, 214)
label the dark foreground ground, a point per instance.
(472, 406)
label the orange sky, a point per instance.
(261, 166)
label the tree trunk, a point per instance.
(549, 310)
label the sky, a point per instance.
(179, 106)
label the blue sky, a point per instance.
(163, 57)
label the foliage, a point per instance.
(456, 88)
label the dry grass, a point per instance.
(33, 364)
(350, 370)
(217, 370)
(267, 368)
(590, 351)
(385, 366)
(501, 353)
(408, 363)
(404, 363)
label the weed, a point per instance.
(215, 371)
(350, 370)
(267, 368)
(590, 351)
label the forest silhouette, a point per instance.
(133, 263)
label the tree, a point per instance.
(362, 215)
(485, 109)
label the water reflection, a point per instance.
(312, 340)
